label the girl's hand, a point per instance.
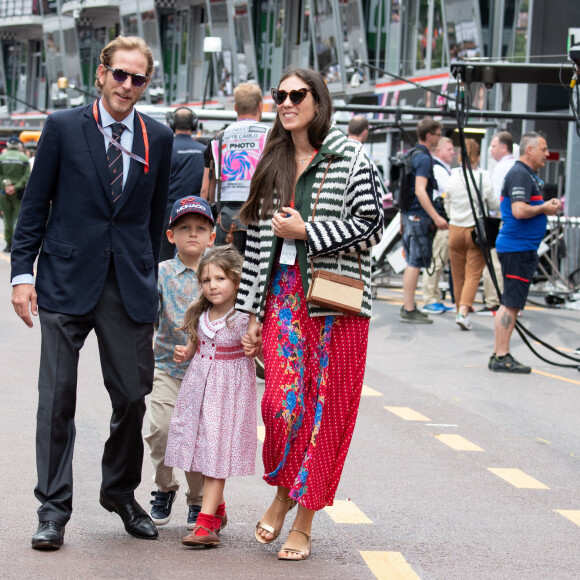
(252, 340)
(182, 353)
(289, 224)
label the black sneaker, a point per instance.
(161, 505)
(487, 311)
(507, 364)
(414, 316)
(192, 516)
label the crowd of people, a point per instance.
(189, 262)
(513, 192)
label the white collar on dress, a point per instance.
(210, 328)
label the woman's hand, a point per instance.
(252, 340)
(183, 352)
(289, 224)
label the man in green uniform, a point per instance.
(14, 173)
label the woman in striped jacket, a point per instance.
(314, 357)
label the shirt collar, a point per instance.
(179, 267)
(446, 165)
(107, 120)
(507, 157)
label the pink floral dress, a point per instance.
(214, 425)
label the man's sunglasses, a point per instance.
(296, 97)
(121, 76)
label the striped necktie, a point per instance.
(115, 162)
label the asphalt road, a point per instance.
(427, 502)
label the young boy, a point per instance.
(191, 228)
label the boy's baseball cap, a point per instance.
(191, 204)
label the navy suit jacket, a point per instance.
(68, 216)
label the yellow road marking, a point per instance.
(407, 414)
(565, 379)
(368, 392)
(518, 478)
(261, 433)
(393, 299)
(346, 512)
(389, 566)
(457, 442)
(572, 515)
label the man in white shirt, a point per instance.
(442, 159)
(501, 150)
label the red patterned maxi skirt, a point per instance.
(314, 376)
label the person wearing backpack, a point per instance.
(417, 220)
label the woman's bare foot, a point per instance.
(297, 546)
(274, 518)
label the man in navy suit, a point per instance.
(97, 245)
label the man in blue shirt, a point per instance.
(417, 221)
(186, 168)
(524, 220)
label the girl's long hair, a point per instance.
(230, 261)
(277, 167)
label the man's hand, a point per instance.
(24, 302)
(552, 206)
(440, 222)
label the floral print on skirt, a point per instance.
(314, 376)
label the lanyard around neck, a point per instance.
(293, 192)
(118, 145)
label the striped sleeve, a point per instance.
(364, 217)
(248, 298)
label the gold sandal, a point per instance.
(269, 528)
(303, 554)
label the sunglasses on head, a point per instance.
(121, 76)
(296, 97)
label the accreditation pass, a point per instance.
(288, 254)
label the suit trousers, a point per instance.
(161, 404)
(127, 363)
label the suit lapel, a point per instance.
(135, 167)
(96, 144)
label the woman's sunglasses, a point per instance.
(121, 76)
(296, 97)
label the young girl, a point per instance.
(213, 427)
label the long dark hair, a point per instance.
(277, 168)
(230, 261)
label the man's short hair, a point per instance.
(124, 43)
(528, 139)
(184, 120)
(427, 126)
(443, 141)
(247, 98)
(505, 138)
(357, 125)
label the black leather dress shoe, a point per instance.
(137, 521)
(49, 536)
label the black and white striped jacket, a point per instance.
(349, 220)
